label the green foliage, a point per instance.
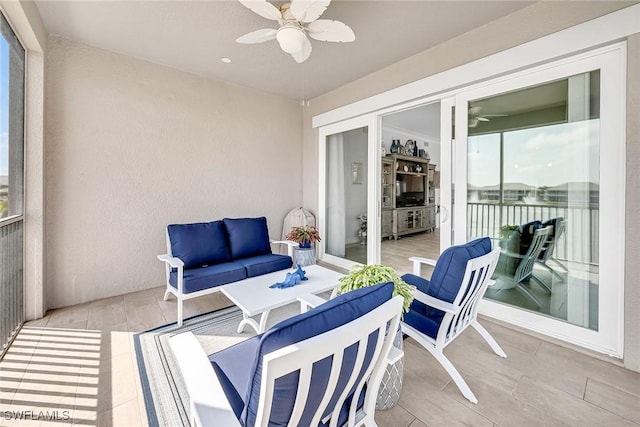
(369, 275)
(3, 207)
(506, 230)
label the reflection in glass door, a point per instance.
(542, 159)
(534, 186)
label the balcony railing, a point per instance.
(578, 244)
(11, 285)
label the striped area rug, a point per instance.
(165, 396)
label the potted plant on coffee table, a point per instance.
(369, 275)
(304, 235)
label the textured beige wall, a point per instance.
(528, 24)
(133, 146)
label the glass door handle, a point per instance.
(444, 214)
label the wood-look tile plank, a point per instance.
(614, 400)
(565, 407)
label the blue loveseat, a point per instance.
(203, 256)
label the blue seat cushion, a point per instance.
(418, 318)
(526, 235)
(553, 222)
(231, 366)
(449, 271)
(263, 264)
(327, 316)
(247, 236)
(197, 279)
(199, 244)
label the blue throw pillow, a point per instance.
(199, 244)
(247, 236)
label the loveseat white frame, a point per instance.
(209, 405)
(174, 262)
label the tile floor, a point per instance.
(78, 365)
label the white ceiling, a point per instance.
(193, 35)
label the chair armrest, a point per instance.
(435, 302)
(209, 404)
(491, 282)
(172, 261)
(418, 261)
(290, 245)
(511, 254)
(308, 301)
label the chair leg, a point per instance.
(542, 284)
(529, 294)
(489, 339)
(455, 376)
(180, 311)
(166, 295)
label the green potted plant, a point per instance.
(304, 235)
(369, 275)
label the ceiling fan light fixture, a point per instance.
(291, 38)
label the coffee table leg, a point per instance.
(259, 328)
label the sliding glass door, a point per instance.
(347, 206)
(540, 170)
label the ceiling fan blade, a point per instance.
(495, 115)
(258, 36)
(304, 54)
(308, 10)
(327, 30)
(474, 110)
(263, 8)
(482, 119)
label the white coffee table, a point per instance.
(254, 296)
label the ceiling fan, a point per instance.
(296, 20)
(475, 117)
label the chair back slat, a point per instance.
(474, 284)
(365, 336)
(525, 268)
(353, 377)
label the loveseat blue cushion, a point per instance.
(199, 244)
(263, 264)
(323, 318)
(247, 236)
(448, 273)
(197, 279)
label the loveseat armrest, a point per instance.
(290, 245)
(209, 404)
(171, 260)
(418, 261)
(435, 302)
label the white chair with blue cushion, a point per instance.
(319, 368)
(447, 304)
